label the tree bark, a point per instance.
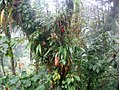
(115, 7)
(8, 35)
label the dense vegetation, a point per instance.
(74, 46)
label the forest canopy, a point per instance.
(59, 45)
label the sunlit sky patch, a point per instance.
(51, 3)
(87, 3)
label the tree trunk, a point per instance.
(89, 84)
(115, 7)
(8, 35)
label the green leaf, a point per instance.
(77, 78)
(47, 52)
(68, 81)
(23, 74)
(51, 43)
(40, 87)
(94, 67)
(63, 61)
(90, 66)
(78, 49)
(28, 83)
(98, 64)
(1, 81)
(5, 77)
(60, 49)
(71, 88)
(23, 81)
(28, 46)
(65, 53)
(65, 86)
(22, 88)
(35, 78)
(72, 79)
(13, 88)
(13, 80)
(38, 49)
(0, 37)
(97, 70)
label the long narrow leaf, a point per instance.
(2, 16)
(38, 49)
(28, 46)
(65, 53)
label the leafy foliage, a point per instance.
(71, 49)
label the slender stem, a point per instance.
(3, 66)
(12, 61)
(30, 54)
(37, 65)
